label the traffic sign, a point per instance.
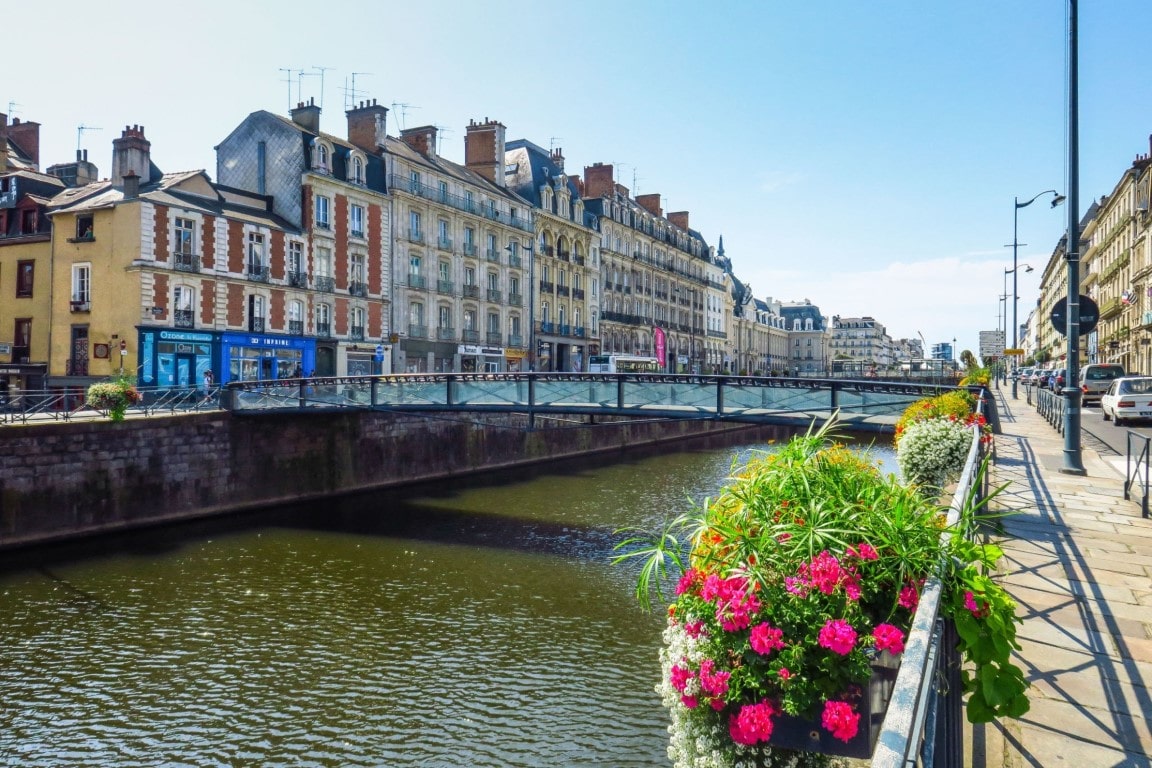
(1089, 315)
(1013, 352)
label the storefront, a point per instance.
(263, 357)
(477, 359)
(20, 377)
(175, 359)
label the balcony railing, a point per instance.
(547, 287)
(515, 340)
(515, 300)
(296, 327)
(445, 286)
(357, 288)
(515, 261)
(256, 324)
(258, 272)
(471, 337)
(578, 331)
(445, 334)
(357, 232)
(444, 243)
(418, 331)
(577, 293)
(564, 330)
(492, 255)
(186, 262)
(471, 291)
(297, 279)
(488, 211)
(82, 305)
(494, 338)
(562, 255)
(578, 259)
(547, 327)
(325, 283)
(356, 333)
(415, 236)
(561, 290)
(493, 295)
(416, 281)
(184, 318)
(469, 249)
(324, 330)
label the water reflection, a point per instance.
(474, 625)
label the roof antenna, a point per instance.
(403, 109)
(80, 132)
(322, 71)
(552, 143)
(288, 80)
(350, 93)
(12, 108)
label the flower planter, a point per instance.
(808, 736)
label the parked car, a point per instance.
(1057, 378)
(1025, 375)
(1095, 378)
(1040, 377)
(1128, 398)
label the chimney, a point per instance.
(307, 116)
(598, 180)
(131, 185)
(3, 143)
(579, 182)
(484, 149)
(26, 136)
(131, 152)
(367, 126)
(558, 158)
(650, 203)
(679, 219)
(422, 139)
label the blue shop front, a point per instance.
(171, 359)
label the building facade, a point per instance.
(809, 351)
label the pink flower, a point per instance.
(909, 598)
(864, 551)
(796, 586)
(837, 636)
(824, 572)
(687, 581)
(680, 676)
(977, 610)
(735, 604)
(713, 682)
(765, 638)
(784, 673)
(716, 704)
(694, 629)
(711, 587)
(840, 720)
(888, 638)
(753, 724)
(691, 702)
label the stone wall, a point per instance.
(71, 479)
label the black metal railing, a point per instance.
(1136, 468)
(186, 262)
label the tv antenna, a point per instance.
(288, 80)
(440, 131)
(552, 143)
(322, 71)
(12, 107)
(300, 75)
(80, 133)
(402, 109)
(350, 93)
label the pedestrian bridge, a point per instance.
(865, 405)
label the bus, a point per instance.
(623, 364)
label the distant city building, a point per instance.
(807, 338)
(943, 351)
(861, 340)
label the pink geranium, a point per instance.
(712, 681)
(680, 676)
(753, 724)
(888, 638)
(909, 598)
(840, 719)
(837, 636)
(765, 638)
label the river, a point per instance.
(476, 624)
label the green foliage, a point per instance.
(932, 452)
(113, 396)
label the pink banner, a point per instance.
(658, 339)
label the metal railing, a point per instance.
(1133, 467)
(1050, 405)
(31, 406)
(924, 721)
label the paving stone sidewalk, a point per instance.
(1078, 561)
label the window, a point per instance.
(469, 319)
(493, 281)
(357, 171)
(322, 266)
(468, 203)
(296, 276)
(414, 181)
(546, 312)
(514, 285)
(84, 228)
(28, 222)
(514, 325)
(416, 314)
(184, 240)
(357, 318)
(469, 241)
(256, 314)
(443, 187)
(358, 285)
(25, 274)
(493, 322)
(81, 283)
(414, 229)
(356, 213)
(469, 276)
(445, 317)
(414, 263)
(442, 238)
(183, 303)
(323, 320)
(22, 340)
(296, 317)
(492, 246)
(257, 266)
(323, 212)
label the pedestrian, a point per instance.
(209, 383)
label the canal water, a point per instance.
(476, 624)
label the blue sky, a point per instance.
(863, 155)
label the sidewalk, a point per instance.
(1078, 561)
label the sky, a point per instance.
(866, 156)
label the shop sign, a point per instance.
(475, 349)
(184, 336)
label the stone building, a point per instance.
(807, 339)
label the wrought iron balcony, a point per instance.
(257, 272)
(418, 331)
(325, 283)
(184, 318)
(494, 338)
(492, 255)
(471, 291)
(357, 232)
(515, 261)
(515, 300)
(515, 340)
(416, 281)
(356, 333)
(547, 327)
(578, 293)
(324, 330)
(415, 236)
(471, 337)
(186, 262)
(296, 327)
(469, 249)
(357, 288)
(80, 305)
(547, 287)
(578, 332)
(445, 286)
(297, 279)
(493, 295)
(565, 330)
(256, 324)
(561, 290)
(444, 243)
(445, 334)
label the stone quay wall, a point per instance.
(65, 480)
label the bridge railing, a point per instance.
(665, 395)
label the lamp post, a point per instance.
(531, 301)
(1073, 464)
(1057, 198)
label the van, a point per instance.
(1095, 378)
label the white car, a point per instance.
(1128, 398)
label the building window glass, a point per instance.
(184, 240)
(323, 212)
(357, 171)
(356, 213)
(25, 275)
(81, 283)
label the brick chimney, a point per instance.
(26, 136)
(422, 139)
(131, 185)
(558, 158)
(131, 153)
(367, 126)
(484, 149)
(579, 182)
(3, 143)
(650, 203)
(598, 180)
(307, 116)
(679, 219)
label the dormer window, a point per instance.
(322, 156)
(357, 171)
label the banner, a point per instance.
(658, 340)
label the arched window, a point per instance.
(357, 171)
(561, 315)
(323, 156)
(545, 312)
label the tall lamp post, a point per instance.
(1057, 198)
(1073, 464)
(531, 301)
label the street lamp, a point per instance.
(1057, 198)
(1073, 463)
(531, 300)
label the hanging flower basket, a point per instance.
(113, 397)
